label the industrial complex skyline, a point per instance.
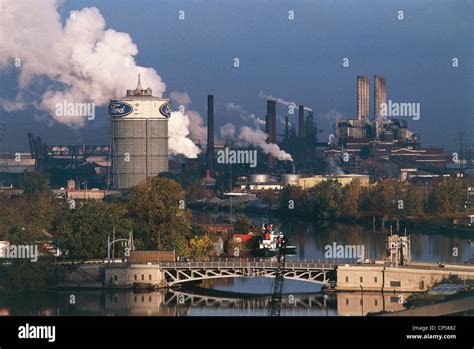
(292, 59)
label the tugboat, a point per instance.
(269, 242)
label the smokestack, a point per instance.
(301, 121)
(362, 97)
(380, 94)
(210, 133)
(270, 128)
(286, 128)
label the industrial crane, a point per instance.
(277, 285)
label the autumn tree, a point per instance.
(350, 198)
(325, 200)
(160, 219)
(83, 230)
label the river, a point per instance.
(250, 296)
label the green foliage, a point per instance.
(83, 231)
(154, 206)
(446, 198)
(351, 194)
(24, 275)
(34, 182)
(380, 199)
(26, 219)
(200, 247)
(325, 199)
(329, 200)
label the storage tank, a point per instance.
(289, 179)
(259, 178)
(139, 136)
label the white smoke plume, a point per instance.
(244, 115)
(178, 132)
(227, 131)
(196, 125)
(82, 61)
(281, 101)
(332, 116)
(333, 168)
(181, 98)
(249, 136)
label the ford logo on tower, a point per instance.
(165, 109)
(119, 108)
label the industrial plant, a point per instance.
(369, 147)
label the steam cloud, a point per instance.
(249, 136)
(197, 129)
(178, 132)
(244, 115)
(281, 101)
(227, 131)
(83, 62)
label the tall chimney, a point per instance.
(270, 128)
(286, 128)
(210, 133)
(362, 97)
(301, 121)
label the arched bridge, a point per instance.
(174, 297)
(179, 272)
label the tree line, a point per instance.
(154, 209)
(331, 200)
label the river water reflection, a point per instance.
(300, 299)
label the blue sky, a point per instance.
(299, 60)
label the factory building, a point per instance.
(380, 98)
(362, 97)
(344, 179)
(139, 136)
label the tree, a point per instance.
(157, 209)
(34, 182)
(325, 200)
(200, 247)
(27, 218)
(447, 197)
(413, 201)
(380, 199)
(83, 231)
(293, 200)
(350, 198)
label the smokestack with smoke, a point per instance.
(82, 61)
(301, 132)
(270, 128)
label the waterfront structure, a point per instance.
(398, 250)
(139, 136)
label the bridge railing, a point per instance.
(237, 264)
